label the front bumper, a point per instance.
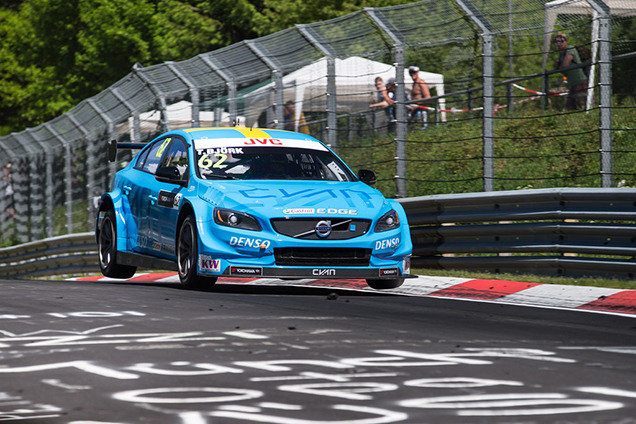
(315, 273)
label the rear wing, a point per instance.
(113, 146)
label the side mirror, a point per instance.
(112, 150)
(367, 177)
(170, 174)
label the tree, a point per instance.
(56, 53)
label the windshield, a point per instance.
(266, 163)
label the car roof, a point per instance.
(243, 132)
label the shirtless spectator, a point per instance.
(420, 91)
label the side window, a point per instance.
(177, 156)
(149, 162)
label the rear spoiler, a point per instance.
(113, 146)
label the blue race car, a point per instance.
(246, 202)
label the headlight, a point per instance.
(236, 219)
(389, 221)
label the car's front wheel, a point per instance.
(187, 254)
(107, 244)
(382, 284)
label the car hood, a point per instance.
(296, 198)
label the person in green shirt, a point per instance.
(576, 79)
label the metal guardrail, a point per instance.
(561, 232)
(64, 255)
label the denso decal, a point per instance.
(249, 242)
(206, 263)
(391, 243)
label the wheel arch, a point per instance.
(186, 210)
(119, 204)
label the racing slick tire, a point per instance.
(107, 245)
(187, 254)
(382, 284)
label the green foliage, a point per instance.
(56, 53)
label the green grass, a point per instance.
(533, 149)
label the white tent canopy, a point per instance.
(179, 116)
(355, 86)
(624, 8)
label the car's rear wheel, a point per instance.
(187, 255)
(382, 284)
(107, 244)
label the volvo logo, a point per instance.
(323, 229)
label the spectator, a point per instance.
(289, 113)
(382, 99)
(420, 91)
(265, 121)
(576, 79)
(420, 87)
(388, 100)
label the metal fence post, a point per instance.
(21, 199)
(112, 167)
(194, 94)
(91, 162)
(231, 88)
(25, 189)
(332, 119)
(400, 107)
(46, 189)
(605, 95)
(68, 166)
(489, 107)
(279, 99)
(488, 31)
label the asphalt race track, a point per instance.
(284, 352)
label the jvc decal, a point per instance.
(263, 141)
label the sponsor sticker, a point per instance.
(323, 272)
(297, 211)
(387, 272)
(320, 211)
(206, 263)
(246, 270)
(249, 242)
(169, 199)
(391, 243)
(201, 143)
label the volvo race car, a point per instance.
(246, 202)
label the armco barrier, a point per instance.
(64, 255)
(562, 231)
